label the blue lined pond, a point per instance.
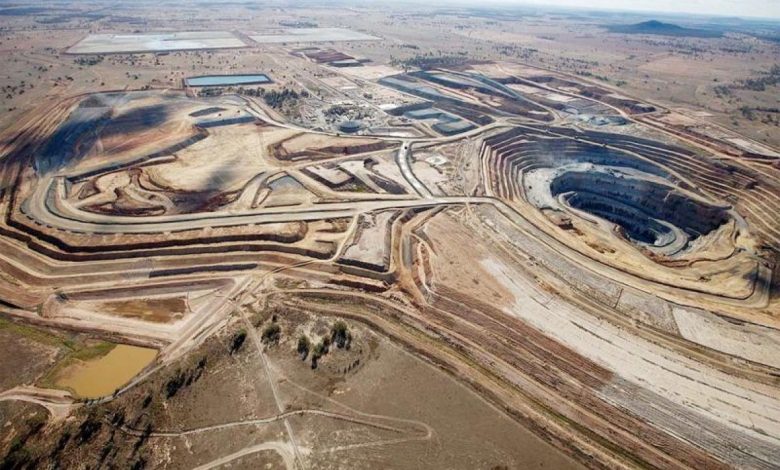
(226, 80)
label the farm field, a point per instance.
(179, 41)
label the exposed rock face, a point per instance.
(639, 206)
(615, 178)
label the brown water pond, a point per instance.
(101, 376)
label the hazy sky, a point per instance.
(745, 8)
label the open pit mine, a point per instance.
(592, 273)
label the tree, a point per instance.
(173, 385)
(303, 346)
(340, 335)
(238, 341)
(272, 334)
(320, 350)
(88, 429)
(747, 113)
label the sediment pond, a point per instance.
(102, 376)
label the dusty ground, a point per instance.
(28, 358)
(440, 422)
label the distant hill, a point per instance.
(662, 29)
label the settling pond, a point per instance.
(100, 377)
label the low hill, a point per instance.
(662, 29)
